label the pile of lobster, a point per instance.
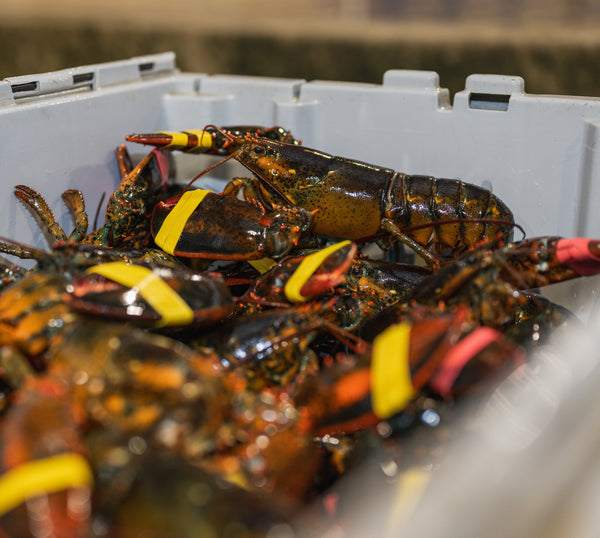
(208, 363)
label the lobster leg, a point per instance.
(21, 251)
(251, 190)
(123, 161)
(74, 201)
(39, 206)
(390, 227)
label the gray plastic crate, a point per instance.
(538, 153)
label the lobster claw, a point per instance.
(211, 139)
(439, 353)
(203, 224)
(45, 481)
(297, 279)
(195, 140)
(156, 295)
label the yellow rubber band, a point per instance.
(306, 269)
(263, 265)
(179, 139)
(39, 477)
(205, 139)
(172, 309)
(172, 227)
(410, 490)
(391, 385)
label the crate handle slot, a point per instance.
(25, 87)
(489, 101)
(148, 66)
(83, 77)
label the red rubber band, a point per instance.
(575, 253)
(163, 167)
(459, 356)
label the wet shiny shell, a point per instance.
(205, 293)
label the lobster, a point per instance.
(490, 277)
(296, 279)
(437, 218)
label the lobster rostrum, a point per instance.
(437, 218)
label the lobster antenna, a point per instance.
(98, 210)
(206, 170)
(227, 135)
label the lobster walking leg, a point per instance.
(74, 201)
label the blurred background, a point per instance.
(553, 44)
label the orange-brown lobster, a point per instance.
(355, 200)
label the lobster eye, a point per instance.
(259, 149)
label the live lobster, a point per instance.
(437, 218)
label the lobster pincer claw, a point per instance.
(203, 224)
(296, 279)
(195, 140)
(210, 139)
(549, 259)
(154, 295)
(45, 479)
